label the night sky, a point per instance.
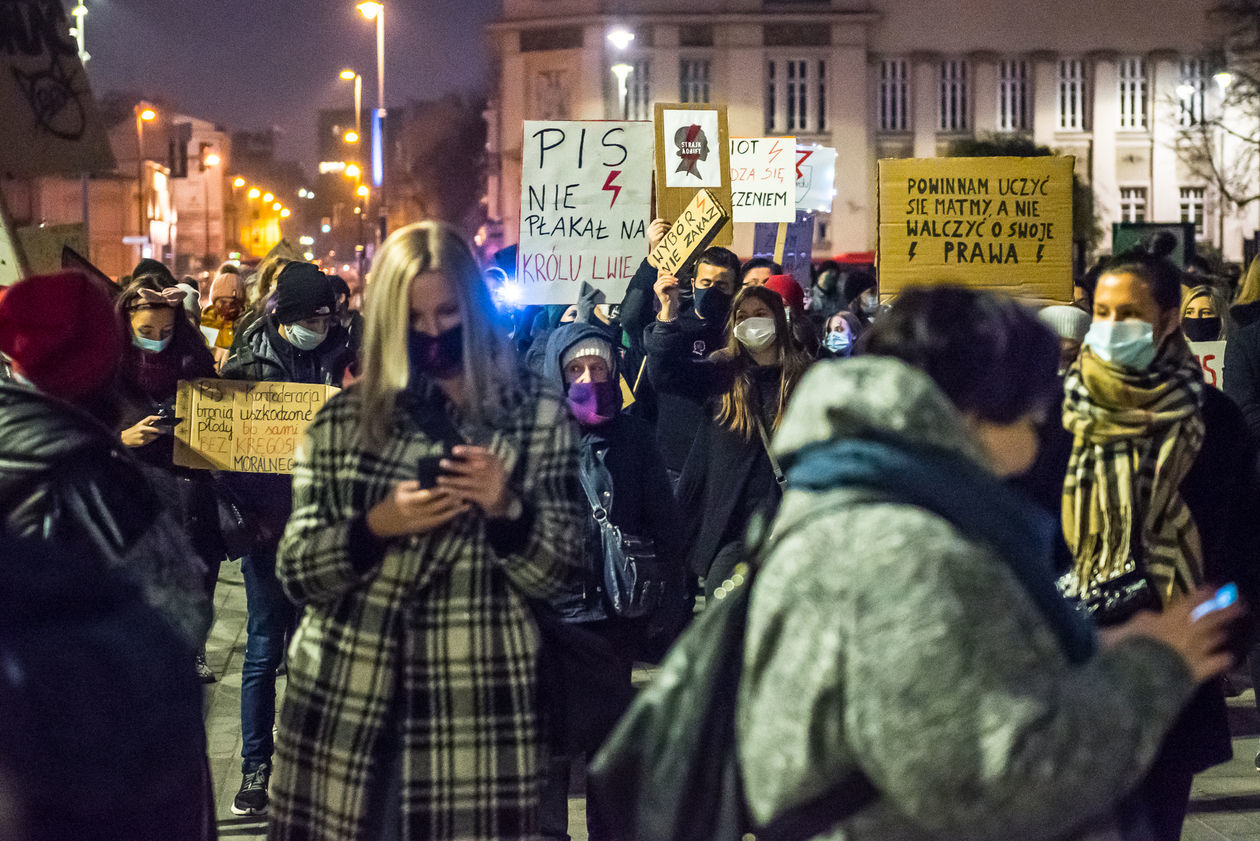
(249, 64)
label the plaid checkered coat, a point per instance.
(431, 653)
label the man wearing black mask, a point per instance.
(302, 342)
(701, 329)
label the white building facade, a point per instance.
(1110, 83)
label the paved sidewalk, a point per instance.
(1225, 801)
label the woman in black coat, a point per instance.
(165, 348)
(729, 475)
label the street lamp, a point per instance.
(209, 160)
(351, 76)
(144, 114)
(622, 71)
(353, 171)
(351, 137)
(620, 37)
(268, 198)
(373, 10)
(79, 12)
(254, 192)
(239, 182)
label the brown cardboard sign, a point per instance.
(692, 232)
(692, 153)
(242, 426)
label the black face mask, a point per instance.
(712, 304)
(440, 356)
(1202, 329)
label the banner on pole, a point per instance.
(586, 196)
(241, 426)
(763, 179)
(692, 153)
(815, 177)
(51, 125)
(1003, 224)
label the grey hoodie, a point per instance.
(881, 638)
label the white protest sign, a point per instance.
(50, 124)
(1211, 356)
(586, 194)
(763, 179)
(692, 154)
(815, 177)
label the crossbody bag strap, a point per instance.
(765, 442)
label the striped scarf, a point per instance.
(1137, 434)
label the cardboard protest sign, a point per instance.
(763, 179)
(692, 153)
(1002, 224)
(790, 245)
(242, 426)
(690, 234)
(815, 177)
(1211, 356)
(12, 261)
(44, 244)
(51, 125)
(586, 196)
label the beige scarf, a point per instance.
(1137, 434)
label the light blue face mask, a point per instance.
(304, 338)
(151, 345)
(1130, 344)
(838, 342)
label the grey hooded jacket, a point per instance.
(881, 639)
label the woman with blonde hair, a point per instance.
(729, 473)
(432, 500)
(1246, 308)
(1205, 315)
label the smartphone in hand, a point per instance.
(1224, 597)
(427, 471)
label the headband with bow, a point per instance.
(168, 297)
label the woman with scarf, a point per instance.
(1158, 497)
(746, 386)
(165, 348)
(907, 650)
(1205, 315)
(432, 500)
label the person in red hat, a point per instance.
(69, 481)
(803, 331)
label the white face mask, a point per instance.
(1130, 344)
(304, 338)
(755, 333)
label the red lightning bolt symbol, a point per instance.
(775, 151)
(615, 189)
(802, 155)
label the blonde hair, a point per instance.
(490, 374)
(1249, 292)
(265, 280)
(1220, 305)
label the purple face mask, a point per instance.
(593, 404)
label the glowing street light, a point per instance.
(285, 213)
(268, 198)
(353, 171)
(254, 192)
(620, 37)
(1223, 80)
(239, 182)
(144, 114)
(276, 206)
(351, 136)
(148, 115)
(363, 191)
(370, 10)
(212, 159)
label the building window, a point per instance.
(1192, 90)
(796, 100)
(1132, 204)
(693, 80)
(953, 96)
(1132, 93)
(1192, 207)
(1071, 95)
(1012, 96)
(894, 111)
(639, 91)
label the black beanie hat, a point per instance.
(302, 292)
(149, 267)
(855, 283)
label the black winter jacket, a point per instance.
(671, 347)
(67, 477)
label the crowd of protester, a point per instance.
(996, 522)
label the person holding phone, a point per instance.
(412, 672)
(166, 347)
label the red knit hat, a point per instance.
(61, 333)
(789, 290)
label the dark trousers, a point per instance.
(271, 619)
(554, 805)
